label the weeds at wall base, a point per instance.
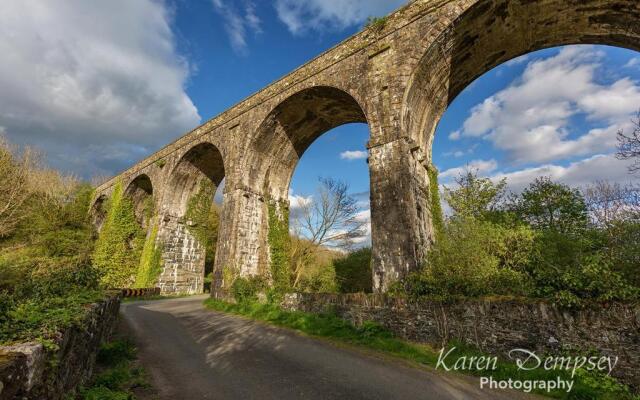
(374, 337)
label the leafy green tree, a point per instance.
(614, 212)
(547, 205)
(624, 250)
(321, 279)
(353, 272)
(475, 258)
(474, 196)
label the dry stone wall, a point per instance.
(496, 326)
(29, 371)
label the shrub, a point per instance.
(474, 196)
(547, 205)
(595, 279)
(623, 248)
(247, 289)
(376, 23)
(116, 352)
(321, 279)
(473, 258)
(353, 272)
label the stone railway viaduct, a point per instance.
(398, 76)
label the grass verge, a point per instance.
(117, 375)
(374, 337)
(41, 318)
(155, 297)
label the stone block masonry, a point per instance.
(496, 326)
(398, 76)
(28, 371)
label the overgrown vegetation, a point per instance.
(117, 376)
(46, 276)
(376, 23)
(434, 200)
(198, 212)
(160, 163)
(353, 271)
(247, 289)
(373, 336)
(572, 247)
(546, 242)
(150, 261)
(119, 245)
(323, 228)
(203, 217)
(279, 246)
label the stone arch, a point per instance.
(491, 32)
(202, 163)
(140, 191)
(290, 128)
(198, 173)
(98, 213)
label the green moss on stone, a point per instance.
(434, 199)
(229, 275)
(279, 244)
(198, 209)
(119, 245)
(150, 261)
(376, 23)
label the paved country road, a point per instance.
(195, 353)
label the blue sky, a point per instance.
(552, 112)
(100, 85)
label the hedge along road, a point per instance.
(195, 353)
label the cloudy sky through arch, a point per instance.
(100, 85)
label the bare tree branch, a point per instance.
(26, 185)
(629, 145)
(14, 180)
(609, 203)
(331, 219)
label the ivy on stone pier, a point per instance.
(434, 200)
(119, 245)
(279, 244)
(150, 261)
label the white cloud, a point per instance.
(365, 216)
(238, 21)
(218, 196)
(353, 155)
(483, 167)
(529, 120)
(455, 135)
(518, 60)
(579, 173)
(296, 201)
(456, 153)
(305, 15)
(96, 85)
(635, 61)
